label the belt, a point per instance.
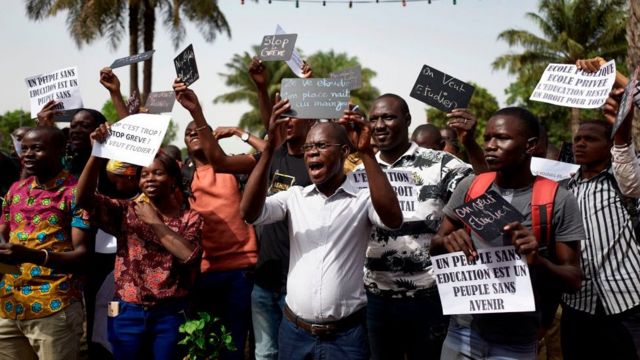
(328, 328)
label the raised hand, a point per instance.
(358, 129)
(277, 130)
(258, 72)
(185, 96)
(464, 122)
(590, 65)
(222, 132)
(109, 80)
(45, 116)
(307, 72)
(100, 134)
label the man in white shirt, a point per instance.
(329, 225)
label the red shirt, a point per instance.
(145, 272)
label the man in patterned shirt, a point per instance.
(404, 315)
(44, 234)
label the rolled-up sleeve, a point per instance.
(626, 169)
(274, 209)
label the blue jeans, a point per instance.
(139, 332)
(411, 327)
(462, 342)
(297, 344)
(227, 295)
(266, 312)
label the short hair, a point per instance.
(427, 129)
(95, 115)
(525, 117)
(56, 135)
(173, 151)
(606, 126)
(404, 107)
(337, 131)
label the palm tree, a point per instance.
(89, 20)
(322, 64)
(633, 55)
(571, 30)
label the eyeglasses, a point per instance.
(319, 145)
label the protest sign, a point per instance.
(488, 214)
(402, 182)
(186, 67)
(551, 169)
(626, 103)
(442, 91)
(316, 98)
(277, 47)
(60, 85)
(160, 102)
(566, 85)
(353, 75)
(295, 63)
(566, 153)
(134, 139)
(128, 60)
(497, 281)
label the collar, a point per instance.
(577, 177)
(346, 187)
(56, 182)
(413, 148)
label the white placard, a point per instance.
(296, 62)
(402, 182)
(565, 85)
(60, 85)
(498, 282)
(134, 139)
(551, 169)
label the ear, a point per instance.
(407, 118)
(532, 145)
(345, 151)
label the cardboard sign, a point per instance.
(134, 139)
(442, 91)
(403, 184)
(565, 85)
(488, 214)
(128, 60)
(353, 75)
(316, 98)
(66, 116)
(295, 63)
(160, 102)
(551, 169)
(566, 153)
(61, 85)
(497, 282)
(186, 67)
(277, 47)
(626, 103)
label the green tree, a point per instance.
(570, 30)
(10, 121)
(90, 20)
(482, 105)
(237, 77)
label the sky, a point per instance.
(395, 41)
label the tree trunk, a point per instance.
(148, 35)
(575, 120)
(633, 56)
(134, 30)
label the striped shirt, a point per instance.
(610, 258)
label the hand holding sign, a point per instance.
(277, 123)
(464, 123)
(358, 129)
(258, 72)
(459, 240)
(109, 80)
(523, 240)
(307, 72)
(186, 97)
(626, 105)
(50, 110)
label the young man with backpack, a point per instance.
(552, 223)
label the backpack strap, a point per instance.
(542, 197)
(479, 185)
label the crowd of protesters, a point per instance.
(296, 261)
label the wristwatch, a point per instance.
(245, 137)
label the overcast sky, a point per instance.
(395, 41)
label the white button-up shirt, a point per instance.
(328, 238)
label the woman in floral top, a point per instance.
(157, 257)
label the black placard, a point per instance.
(160, 102)
(316, 98)
(128, 60)
(488, 214)
(353, 75)
(277, 47)
(442, 91)
(66, 116)
(626, 103)
(566, 153)
(186, 67)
